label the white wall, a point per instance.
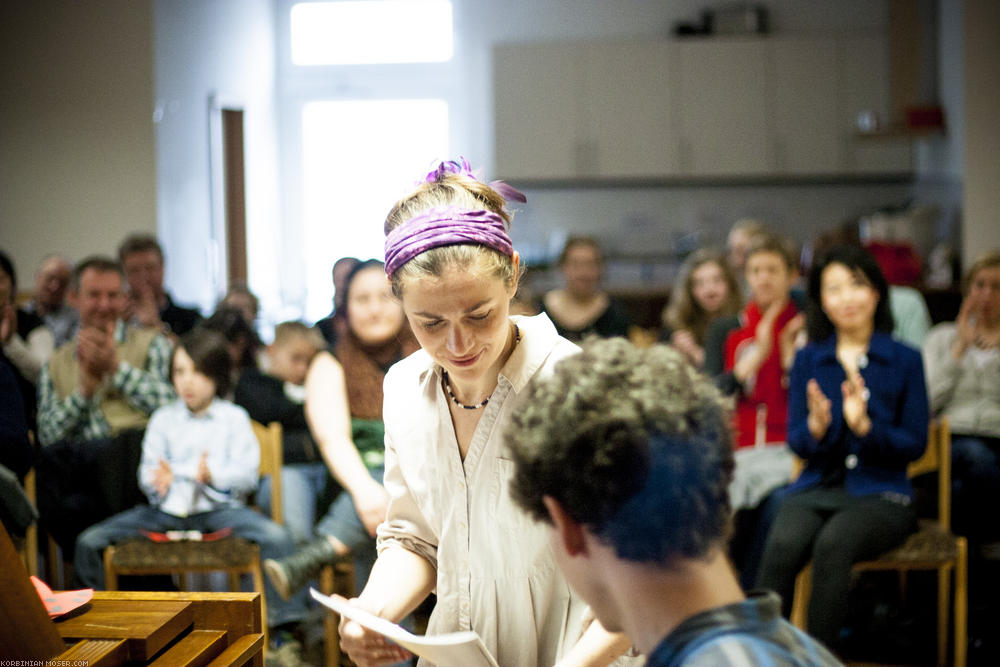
(76, 132)
(222, 48)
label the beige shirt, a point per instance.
(495, 570)
(967, 391)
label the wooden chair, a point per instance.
(233, 555)
(30, 554)
(336, 578)
(932, 547)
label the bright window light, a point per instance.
(360, 157)
(371, 32)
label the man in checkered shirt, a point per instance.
(95, 396)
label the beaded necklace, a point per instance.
(451, 394)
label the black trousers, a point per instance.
(81, 483)
(834, 530)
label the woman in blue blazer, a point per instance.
(857, 415)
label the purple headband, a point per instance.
(448, 225)
(508, 192)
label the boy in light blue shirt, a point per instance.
(200, 461)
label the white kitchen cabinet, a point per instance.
(537, 106)
(627, 129)
(804, 123)
(721, 106)
(582, 110)
(730, 108)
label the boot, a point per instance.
(291, 573)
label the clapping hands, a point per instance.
(163, 477)
(855, 396)
(204, 475)
(97, 356)
(819, 417)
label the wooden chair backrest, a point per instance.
(937, 457)
(271, 461)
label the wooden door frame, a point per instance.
(228, 254)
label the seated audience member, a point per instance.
(94, 395)
(16, 454)
(757, 352)
(741, 236)
(962, 361)
(149, 304)
(760, 344)
(200, 461)
(705, 289)
(332, 326)
(49, 301)
(241, 298)
(27, 343)
(626, 454)
(858, 416)
(279, 395)
(244, 343)
(582, 308)
(344, 407)
(910, 317)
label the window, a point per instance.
(359, 157)
(371, 32)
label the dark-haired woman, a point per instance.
(857, 415)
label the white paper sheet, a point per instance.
(455, 649)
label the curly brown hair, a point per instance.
(633, 443)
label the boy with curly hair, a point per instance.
(627, 454)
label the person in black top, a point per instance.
(26, 342)
(279, 396)
(149, 304)
(332, 326)
(582, 308)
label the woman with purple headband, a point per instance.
(451, 526)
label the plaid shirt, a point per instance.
(81, 419)
(749, 633)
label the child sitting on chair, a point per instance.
(279, 395)
(200, 461)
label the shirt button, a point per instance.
(862, 360)
(851, 462)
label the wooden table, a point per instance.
(119, 627)
(198, 628)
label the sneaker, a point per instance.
(279, 578)
(293, 572)
(284, 650)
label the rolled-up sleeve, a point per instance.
(405, 525)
